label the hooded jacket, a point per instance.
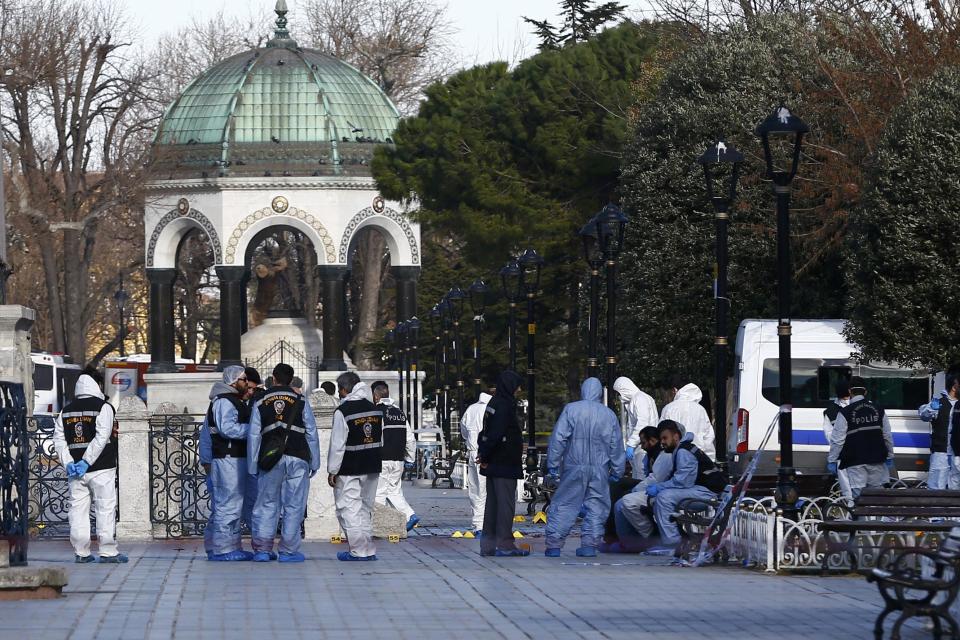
(472, 424)
(500, 446)
(225, 413)
(86, 387)
(686, 410)
(340, 431)
(587, 435)
(640, 407)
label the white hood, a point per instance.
(626, 388)
(360, 392)
(485, 398)
(690, 393)
(87, 386)
(387, 401)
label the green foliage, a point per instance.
(580, 20)
(902, 245)
(719, 88)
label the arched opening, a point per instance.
(370, 296)
(282, 263)
(196, 298)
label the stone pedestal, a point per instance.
(387, 522)
(24, 583)
(321, 522)
(189, 392)
(15, 364)
(133, 455)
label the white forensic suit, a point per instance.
(686, 410)
(843, 479)
(399, 448)
(84, 432)
(641, 412)
(470, 427)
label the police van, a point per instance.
(54, 379)
(820, 356)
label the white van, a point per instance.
(820, 356)
(54, 379)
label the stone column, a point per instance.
(244, 312)
(406, 279)
(133, 459)
(333, 278)
(321, 522)
(231, 308)
(15, 364)
(163, 358)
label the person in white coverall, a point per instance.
(86, 445)
(470, 427)
(354, 463)
(830, 415)
(641, 412)
(398, 453)
(687, 410)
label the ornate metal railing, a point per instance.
(14, 455)
(179, 499)
(304, 366)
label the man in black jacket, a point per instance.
(500, 456)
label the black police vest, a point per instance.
(224, 447)
(708, 475)
(364, 438)
(281, 408)
(394, 433)
(864, 443)
(79, 420)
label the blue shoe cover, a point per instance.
(512, 553)
(346, 556)
(84, 559)
(262, 556)
(552, 553)
(296, 556)
(412, 522)
(238, 555)
(587, 552)
(478, 533)
(117, 559)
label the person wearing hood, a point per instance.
(585, 455)
(692, 475)
(641, 412)
(399, 451)
(83, 434)
(283, 453)
(470, 427)
(354, 463)
(227, 422)
(687, 410)
(500, 456)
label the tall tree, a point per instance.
(579, 20)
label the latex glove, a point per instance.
(652, 490)
(935, 404)
(408, 465)
(630, 453)
(555, 472)
(613, 479)
(81, 467)
(550, 483)
(72, 470)
(832, 468)
(890, 464)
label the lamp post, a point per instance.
(611, 225)
(436, 327)
(530, 264)
(446, 311)
(594, 258)
(404, 329)
(121, 296)
(456, 297)
(478, 304)
(510, 279)
(712, 158)
(783, 125)
(413, 325)
(401, 336)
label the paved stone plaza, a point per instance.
(432, 586)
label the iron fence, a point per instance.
(14, 457)
(304, 367)
(179, 496)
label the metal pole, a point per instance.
(437, 349)
(593, 361)
(531, 373)
(123, 330)
(399, 358)
(408, 351)
(477, 367)
(611, 327)
(722, 304)
(414, 356)
(458, 354)
(512, 336)
(446, 388)
(787, 475)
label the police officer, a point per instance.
(399, 452)
(284, 453)
(227, 421)
(862, 442)
(83, 434)
(354, 463)
(842, 389)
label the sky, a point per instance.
(485, 29)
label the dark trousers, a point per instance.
(617, 491)
(498, 515)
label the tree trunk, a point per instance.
(52, 280)
(372, 249)
(74, 287)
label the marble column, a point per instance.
(231, 310)
(163, 355)
(333, 278)
(406, 279)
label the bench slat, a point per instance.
(919, 511)
(877, 525)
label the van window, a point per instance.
(68, 383)
(814, 381)
(42, 377)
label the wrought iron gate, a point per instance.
(14, 454)
(179, 498)
(305, 367)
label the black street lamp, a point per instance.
(456, 297)
(611, 225)
(786, 127)
(446, 322)
(413, 327)
(530, 264)
(403, 337)
(712, 158)
(478, 304)
(510, 279)
(594, 258)
(436, 327)
(121, 297)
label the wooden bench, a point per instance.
(893, 511)
(920, 583)
(443, 469)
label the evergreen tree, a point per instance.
(580, 20)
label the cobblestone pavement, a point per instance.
(431, 586)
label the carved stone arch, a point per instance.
(195, 219)
(368, 217)
(297, 218)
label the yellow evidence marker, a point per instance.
(457, 534)
(394, 538)
(336, 539)
(540, 516)
(517, 534)
(469, 534)
(519, 518)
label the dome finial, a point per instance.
(281, 37)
